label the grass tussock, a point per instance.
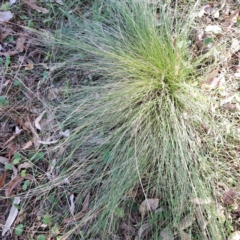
(137, 127)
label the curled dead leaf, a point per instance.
(38, 119)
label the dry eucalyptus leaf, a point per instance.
(38, 119)
(5, 16)
(148, 205)
(11, 217)
(32, 4)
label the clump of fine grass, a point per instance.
(139, 123)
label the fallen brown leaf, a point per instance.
(86, 203)
(14, 182)
(10, 53)
(30, 66)
(148, 205)
(27, 145)
(24, 165)
(32, 4)
(20, 43)
(36, 138)
(2, 179)
(38, 119)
